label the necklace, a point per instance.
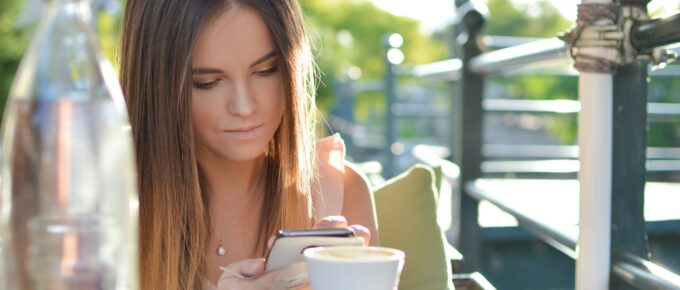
(221, 251)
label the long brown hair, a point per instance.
(158, 38)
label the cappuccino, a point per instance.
(354, 267)
(355, 254)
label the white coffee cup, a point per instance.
(354, 268)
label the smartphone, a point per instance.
(289, 245)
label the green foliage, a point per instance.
(537, 19)
(348, 34)
(541, 19)
(13, 42)
(666, 132)
(548, 88)
(108, 27)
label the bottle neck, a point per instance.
(78, 9)
(65, 1)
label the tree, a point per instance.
(349, 34)
(536, 19)
(507, 18)
(520, 20)
(13, 42)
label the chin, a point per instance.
(244, 153)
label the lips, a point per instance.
(244, 132)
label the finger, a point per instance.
(270, 242)
(265, 281)
(332, 222)
(294, 276)
(362, 232)
(243, 269)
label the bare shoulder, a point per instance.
(356, 181)
(358, 204)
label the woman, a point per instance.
(221, 101)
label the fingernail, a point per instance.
(359, 228)
(338, 218)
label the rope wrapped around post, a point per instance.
(596, 27)
(609, 26)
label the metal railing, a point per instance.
(531, 55)
(633, 270)
(628, 268)
(643, 274)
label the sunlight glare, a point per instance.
(435, 14)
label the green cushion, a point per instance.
(407, 220)
(437, 181)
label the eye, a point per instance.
(268, 71)
(206, 85)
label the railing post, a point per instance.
(594, 61)
(629, 145)
(455, 49)
(393, 57)
(612, 138)
(468, 110)
(629, 139)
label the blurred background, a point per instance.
(348, 37)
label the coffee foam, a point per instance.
(354, 254)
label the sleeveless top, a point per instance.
(328, 191)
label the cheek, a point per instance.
(197, 109)
(272, 96)
(204, 110)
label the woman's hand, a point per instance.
(248, 274)
(339, 222)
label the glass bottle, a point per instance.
(68, 205)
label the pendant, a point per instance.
(220, 249)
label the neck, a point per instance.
(234, 191)
(230, 182)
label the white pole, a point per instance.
(595, 174)
(595, 145)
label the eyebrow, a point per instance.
(264, 58)
(205, 70)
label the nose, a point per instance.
(242, 102)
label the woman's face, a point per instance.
(237, 96)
